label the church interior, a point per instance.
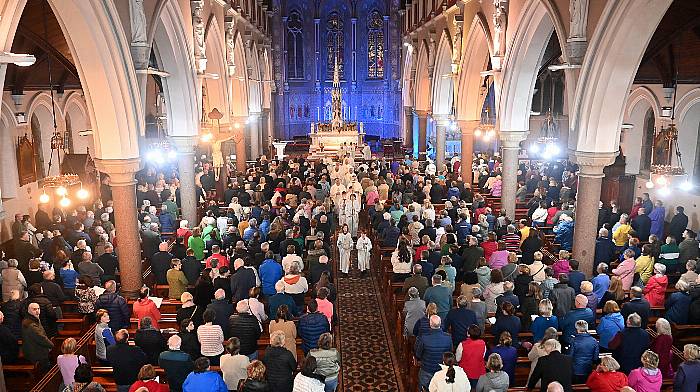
(350, 195)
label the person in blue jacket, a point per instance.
(312, 325)
(202, 379)
(678, 304)
(270, 272)
(611, 323)
(429, 350)
(564, 231)
(584, 352)
(568, 322)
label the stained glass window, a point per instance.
(295, 46)
(334, 45)
(375, 46)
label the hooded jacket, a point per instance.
(645, 380)
(609, 326)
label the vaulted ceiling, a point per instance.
(40, 34)
(674, 47)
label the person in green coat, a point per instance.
(196, 243)
(670, 255)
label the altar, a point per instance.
(328, 138)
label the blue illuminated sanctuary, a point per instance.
(364, 36)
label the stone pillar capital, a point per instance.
(442, 120)
(121, 171)
(512, 139)
(422, 114)
(591, 164)
(184, 144)
(468, 126)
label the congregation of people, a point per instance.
(482, 289)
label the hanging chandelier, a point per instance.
(546, 146)
(664, 173)
(487, 128)
(62, 182)
(160, 151)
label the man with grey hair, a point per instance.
(555, 387)
(584, 351)
(246, 328)
(223, 309)
(601, 282)
(176, 363)
(279, 299)
(553, 367)
(115, 305)
(416, 280)
(90, 269)
(242, 280)
(52, 290)
(413, 310)
(440, 295)
(629, 344)
(459, 319)
(150, 241)
(637, 304)
(604, 248)
(429, 350)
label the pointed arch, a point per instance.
(409, 75)
(614, 53)
(521, 66)
(422, 96)
(217, 87)
(9, 178)
(443, 81)
(239, 80)
(254, 84)
(175, 55)
(475, 58)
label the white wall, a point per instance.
(24, 200)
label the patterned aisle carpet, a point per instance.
(367, 363)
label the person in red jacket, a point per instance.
(606, 377)
(144, 306)
(147, 379)
(655, 289)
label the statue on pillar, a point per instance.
(500, 24)
(579, 19)
(138, 22)
(230, 45)
(198, 29)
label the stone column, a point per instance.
(510, 147)
(185, 166)
(254, 132)
(121, 174)
(239, 138)
(467, 128)
(408, 127)
(441, 124)
(266, 132)
(590, 180)
(422, 134)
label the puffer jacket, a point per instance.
(565, 234)
(245, 327)
(117, 308)
(609, 326)
(584, 352)
(328, 362)
(430, 347)
(311, 327)
(280, 364)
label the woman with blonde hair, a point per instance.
(68, 361)
(688, 376)
(538, 350)
(606, 378)
(663, 346)
(495, 380)
(615, 292)
(647, 378)
(422, 326)
(544, 321)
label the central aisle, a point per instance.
(367, 363)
